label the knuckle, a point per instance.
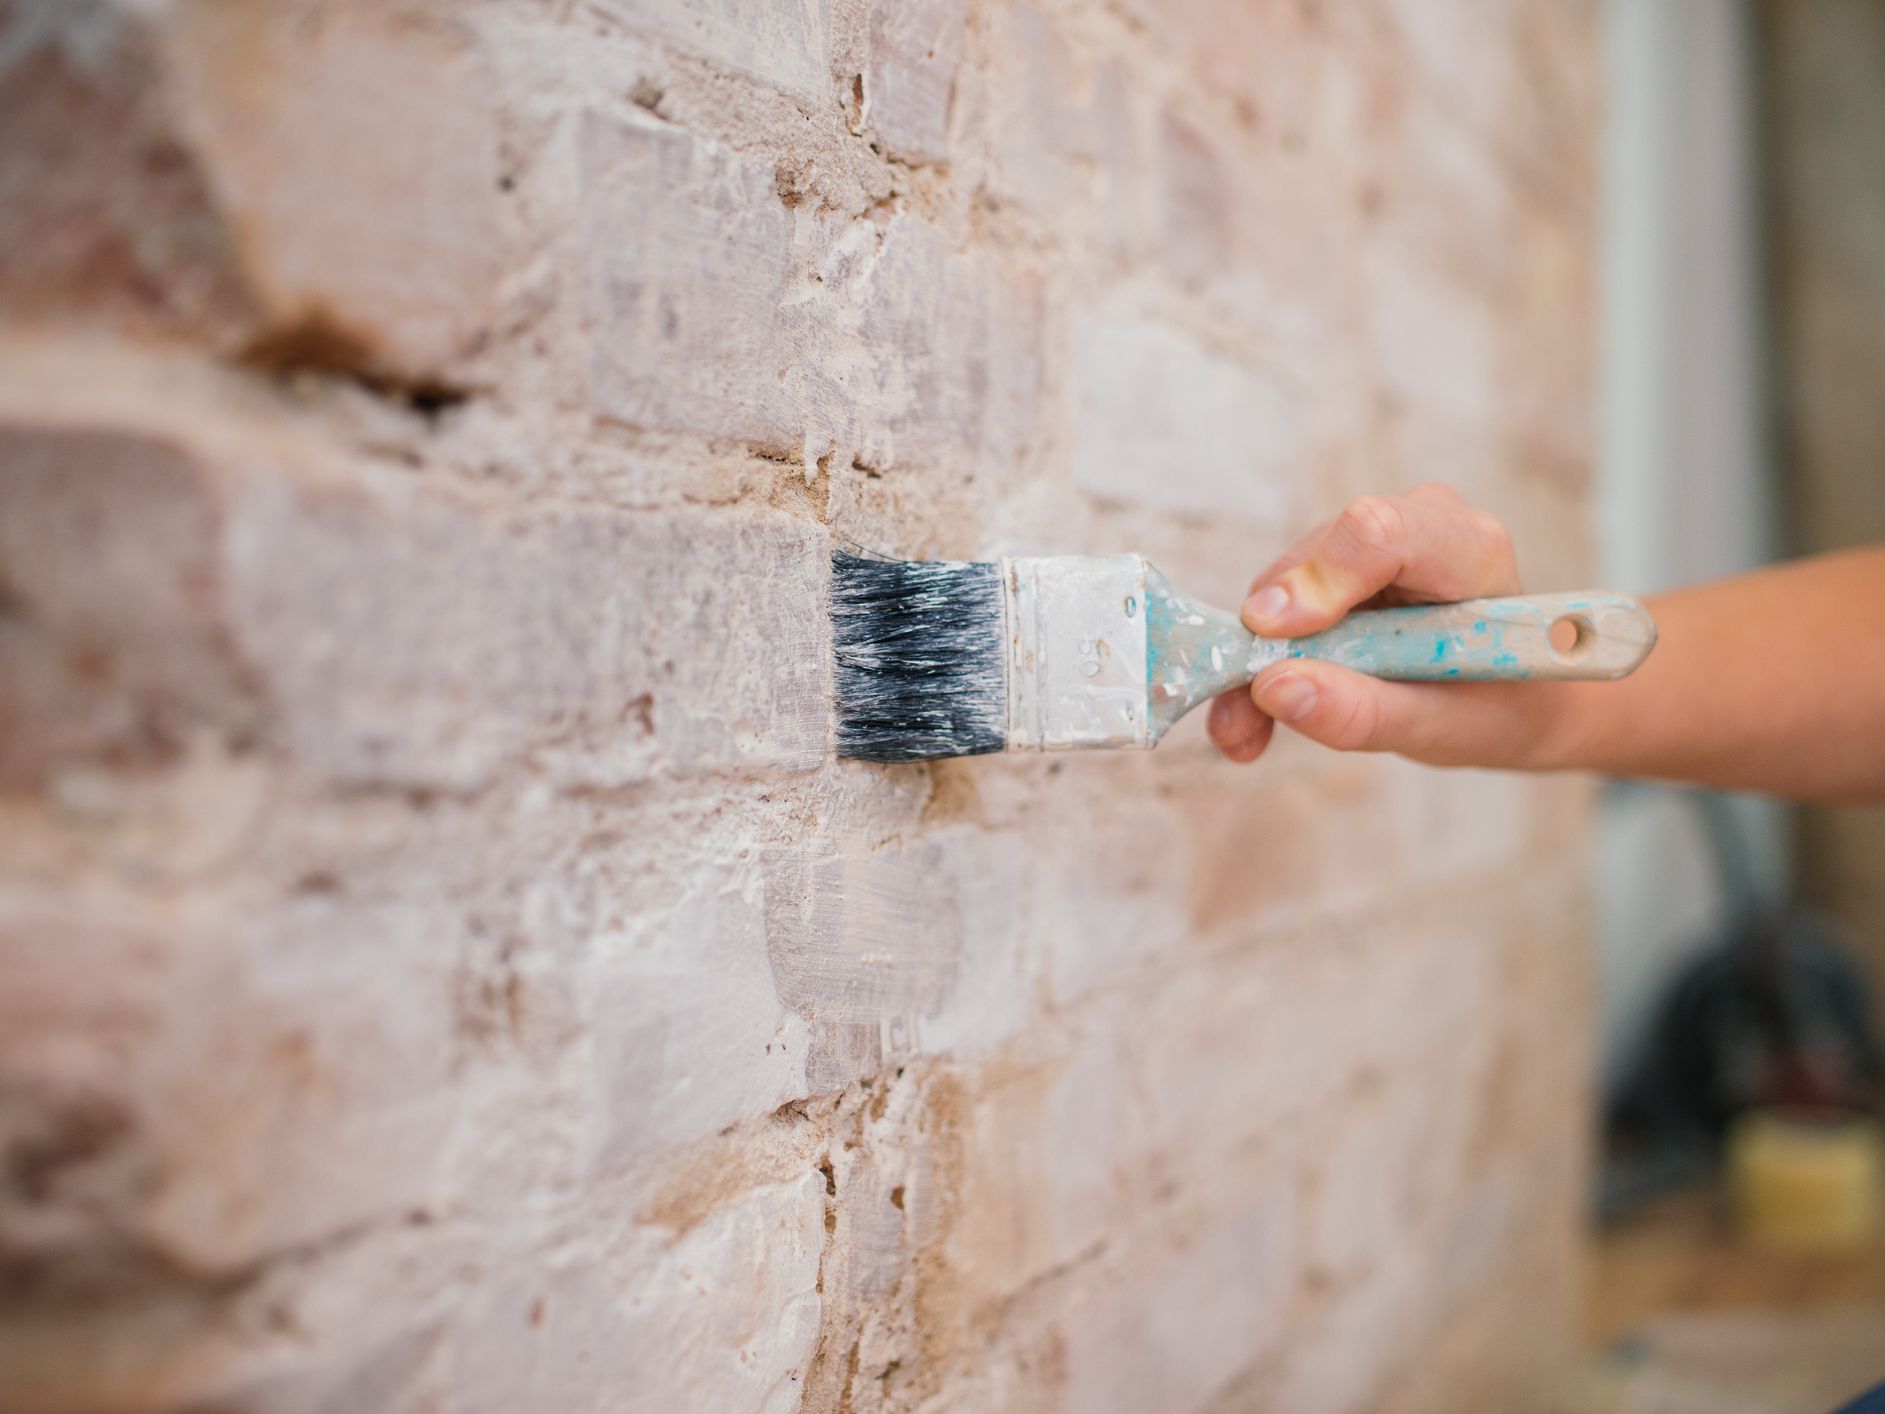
(1492, 530)
(1374, 522)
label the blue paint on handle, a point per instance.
(1416, 643)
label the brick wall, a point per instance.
(441, 967)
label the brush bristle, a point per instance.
(920, 669)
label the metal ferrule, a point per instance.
(1076, 652)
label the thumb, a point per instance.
(1454, 724)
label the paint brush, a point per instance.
(938, 658)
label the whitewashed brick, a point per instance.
(1479, 1236)
(83, 96)
(864, 939)
(1053, 1158)
(397, 636)
(1471, 820)
(407, 133)
(998, 975)
(1163, 423)
(721, 314)
(1255, 1032)
(1338, 1364)
(161, 182)
(1097, 915)
(1039, 106)
(1363, 1200)
(251, 1096)
(1463, 53)
(954, 362)
(689, 249)
(690, 1033)
(1295, 1023)
(918, 943)
(1198, 200)
(915, 49)
(1433, 342)
(782, 43)
(1172, 1337)
(724, 1317)
(419, 640)
(107, 539)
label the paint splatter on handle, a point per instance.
(1588, 634)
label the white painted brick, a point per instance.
(415, 639)
(1052, 1159)
(1038, 106)
(956, 362)
(259, 1097)
(1171, 1337)
(993, 994)
(864, 940)
(690, 1033)
(105, 538)
(405, 635)
(1337, 1366)
(1434, 342)
(1296, 1022)
(689, 248)
(782, 43)
(1099, 915)
(915, 49)
(1463, 52)
(1480, 1233)
(722, 314)
(1469, 820)
(84, 99)
(1163, 423)
(1198, 200)
(407, 134)
(918, 942)
(1393, 1154)
(724, 1317)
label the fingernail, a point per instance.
(1267, 605)
(1288, 697)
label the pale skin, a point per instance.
(1773, 681)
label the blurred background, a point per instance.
(1743, 942)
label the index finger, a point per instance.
(1426, 547)
(1434, 492)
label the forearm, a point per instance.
(1773, 681)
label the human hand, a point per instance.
(1427, 546)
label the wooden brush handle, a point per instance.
(1597, 635)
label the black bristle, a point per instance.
(919, 667)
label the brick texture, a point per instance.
(442, 966)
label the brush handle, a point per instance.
(1603, 635)
(1194, 651)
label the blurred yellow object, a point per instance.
(1806, 1183)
